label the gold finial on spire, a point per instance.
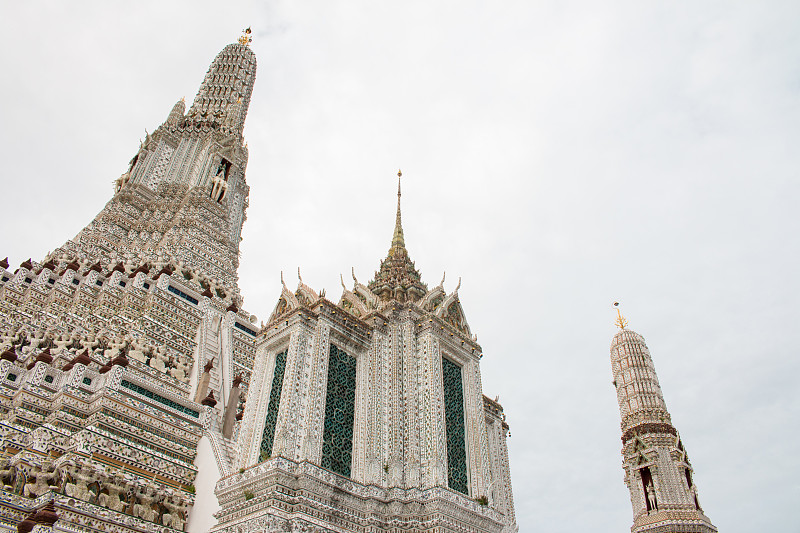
(397, 239)
(245, 39)
(621, 322)
(399, 175)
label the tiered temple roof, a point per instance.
(398, 278)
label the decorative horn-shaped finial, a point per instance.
(299, 276)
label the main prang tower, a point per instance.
(657, 468)
(184, 195)
(125, 355)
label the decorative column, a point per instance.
(657, 468)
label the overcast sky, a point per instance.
(558, 156)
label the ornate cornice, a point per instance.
(648, 428)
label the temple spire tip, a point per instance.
(398, 241)
(397, 278)
(245, 39)
(621, 321)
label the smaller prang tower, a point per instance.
(657, 469)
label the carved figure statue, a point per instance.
(37, 339)
(39, 481)
(159, 359)
(7, 474)
(121, 181)
(143, 508)
(135, 352)
(218, 188)
(181, 369)
(79, 487)
(6, 338)
(114, 486)
(221, 168)
(76, 342)
(651, 496)
(22, 339)
(175, 518)
(62, 341)
(113, 348)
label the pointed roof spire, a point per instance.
(229, 78)
(178, 110)
(398, 241)
(398, 278)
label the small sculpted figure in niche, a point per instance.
(651, 496)
(221, 168)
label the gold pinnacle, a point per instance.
(245, 39)
(621, 322)
(399, 173)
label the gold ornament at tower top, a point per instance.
(245, 39)
(621, 322)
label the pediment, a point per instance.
(287, 302)
(451, 312)
(305, 295)
(351, 303)
(432, 301)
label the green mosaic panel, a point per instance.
(268, 436)
(340, 402)
(454, 426)
(160, 399)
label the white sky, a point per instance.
(558, 156)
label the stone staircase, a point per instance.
(225, 451)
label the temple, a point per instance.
(368, 415)
(126, 354)
(137, 395)
(657, 468)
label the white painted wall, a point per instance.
(201, 517)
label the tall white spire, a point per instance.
(657, 469)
